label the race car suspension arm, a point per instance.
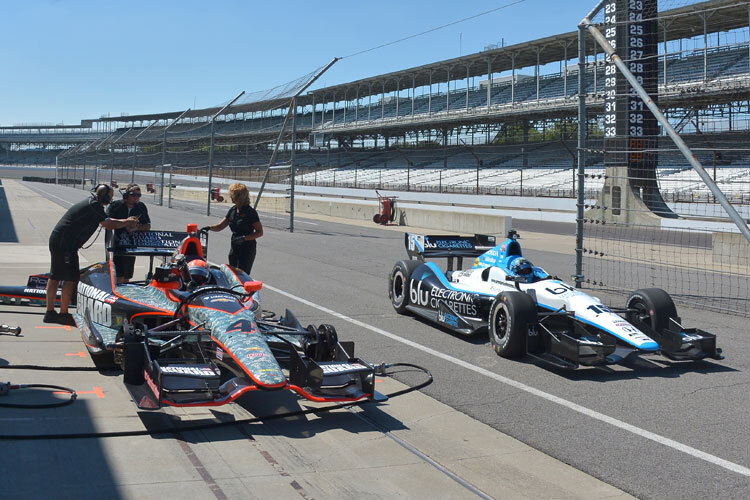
(559, 312)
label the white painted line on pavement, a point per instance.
(739, 469)
(53, 196)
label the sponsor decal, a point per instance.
(255, 354)
(219, 353)
(158, 239)
(150, 383)
(492, 252)
(503, 247)
(96, 302)
(341, 367)
(448, 319)
(691, 337)
(199, 371)
(460, 302)
(219, 298)
(416, 242)
(447, 243)
(35, 291)
(37, 281)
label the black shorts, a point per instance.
(124, 265)
(64, 266)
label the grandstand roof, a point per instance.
(682, 22)
(32, 126)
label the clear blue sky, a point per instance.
(67, 60)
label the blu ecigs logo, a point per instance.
(460, 302)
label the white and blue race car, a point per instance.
(527, 311)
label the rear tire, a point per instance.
(653, 307)
(510, 317)
(398, 284)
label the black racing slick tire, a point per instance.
(511, 315)
(398, 284)
(653, 307)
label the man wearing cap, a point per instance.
(129, 206)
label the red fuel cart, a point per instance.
(216, 195)
(387, 209)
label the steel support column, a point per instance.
(512, 79)
(467, 87)
(565, 70)
(578, 276)
(398, 92)
(489, 82)
(429, 96)
(292, 167)
(705, 48)
(448, 93)
(537, 74)
(413, 92)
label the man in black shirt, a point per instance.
(129, 206)
(71, 233)
(245, 224)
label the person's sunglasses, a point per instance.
(137, 195)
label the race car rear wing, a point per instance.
(147, 243)
(419, 246)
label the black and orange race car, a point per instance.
(193, 333)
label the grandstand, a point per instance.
(451, 114)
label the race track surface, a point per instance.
(660, 430)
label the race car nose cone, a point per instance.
(649, 346)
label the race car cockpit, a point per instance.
(523, 271)
(521, 268)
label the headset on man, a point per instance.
(105, 196)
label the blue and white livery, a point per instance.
(525, 310)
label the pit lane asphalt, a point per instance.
(343, 267)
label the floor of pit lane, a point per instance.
(652, 431)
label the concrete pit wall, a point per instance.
(464, 220)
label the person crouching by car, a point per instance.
(72, 231)
(246, 228)
(129, 206)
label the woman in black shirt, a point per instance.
(245, 224)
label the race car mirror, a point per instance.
(252, 286)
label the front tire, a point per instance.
(510, 317)
(398, 284)
(652, 307)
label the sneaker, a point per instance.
(65, 319)
(50, 316)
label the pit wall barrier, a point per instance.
(464, 220)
